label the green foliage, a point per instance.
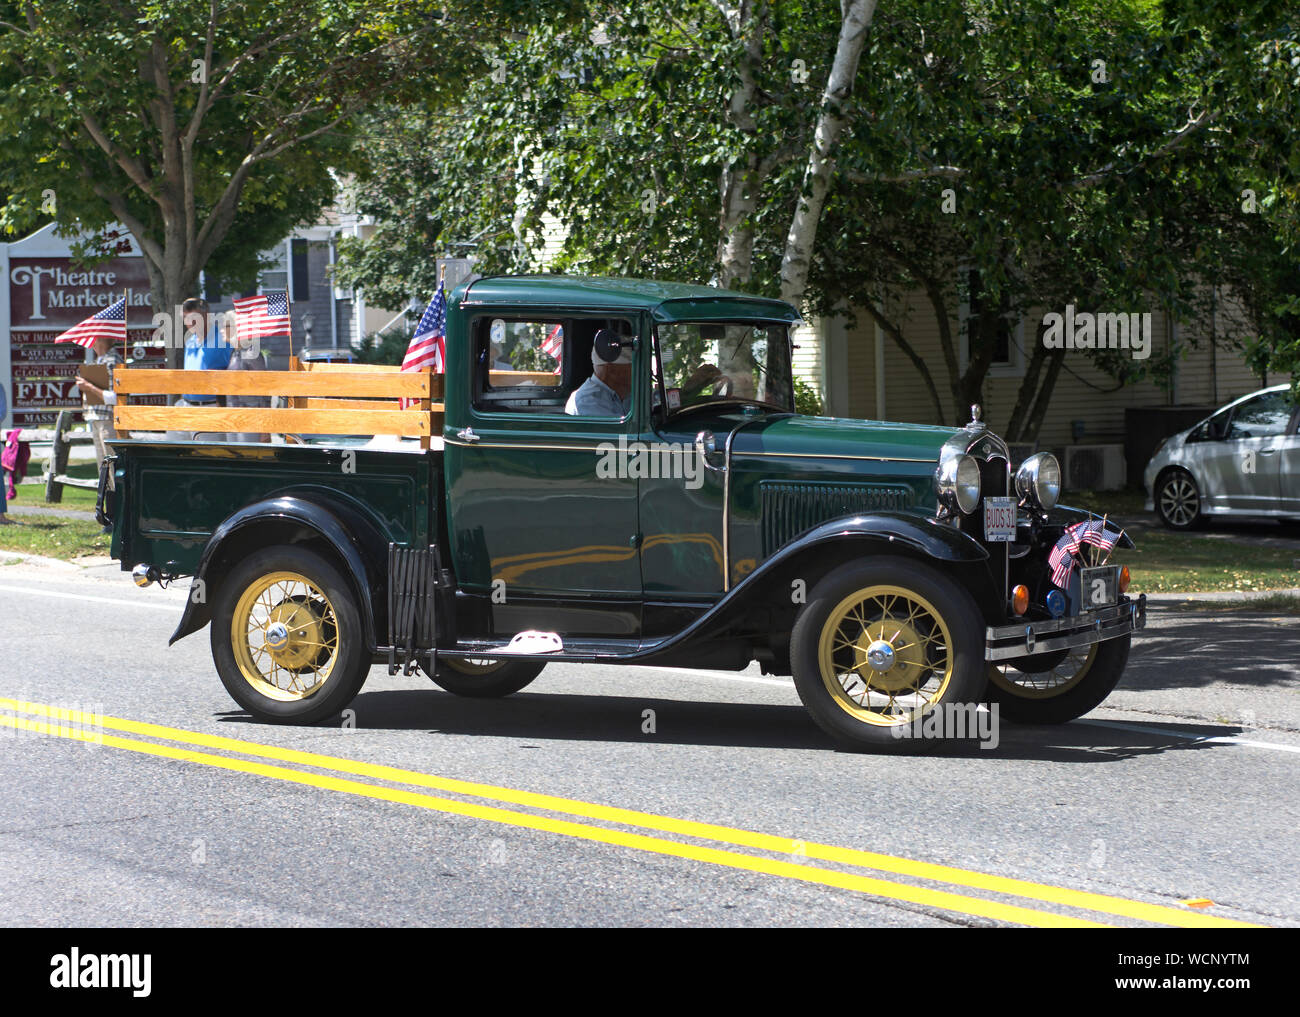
(388, 348)
(1097, 152)
(208, 130)
(807, 400)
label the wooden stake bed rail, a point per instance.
(322, 399)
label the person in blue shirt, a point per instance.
(204, 351)
(608, 392)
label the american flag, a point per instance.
(110, 322)
(262, 316)
(1062, 557)
(429, 344)
(553, 346)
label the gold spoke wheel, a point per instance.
(1057, 680)
(885, 654)
(284, 634)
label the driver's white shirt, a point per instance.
(593, 398)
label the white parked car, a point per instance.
(1243, 460)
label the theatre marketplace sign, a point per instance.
(48, 296)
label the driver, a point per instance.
(608, 391)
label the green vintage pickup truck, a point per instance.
(620, 476)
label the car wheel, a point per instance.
(287, 638)
(485, 679)
(1053, 688)
(1178, 503)
(882, 649)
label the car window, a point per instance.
(1265, 415)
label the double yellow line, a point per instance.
(79, 726)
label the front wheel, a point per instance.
(485, 679)
(287, 637)
(1052, 688)
(887, 653)
(1178, 503)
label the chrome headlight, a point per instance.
(957, 481)
(1038, 481)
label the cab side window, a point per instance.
(532, 364)
(518, 364)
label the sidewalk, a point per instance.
(49, 510)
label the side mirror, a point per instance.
(609, 345)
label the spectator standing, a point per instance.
(99, 413)
(204, 351)
(4, 480)
(245, 356)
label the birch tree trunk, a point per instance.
(799, 243)
(741, 179)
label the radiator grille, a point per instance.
(790, 509)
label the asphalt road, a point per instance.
(1182, 787)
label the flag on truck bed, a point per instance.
(109, 323)
(263, 316)
(429, 344)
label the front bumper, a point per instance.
(1004, 642)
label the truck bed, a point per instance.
(170, 496)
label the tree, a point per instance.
(662, 134)
(206, 129)
(1093, 154)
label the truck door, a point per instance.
(537, 518)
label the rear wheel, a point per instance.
(485, 679)
(287, 637)
(1058, 687)
(883, 650)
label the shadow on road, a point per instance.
(1186, 648)
(542, 717)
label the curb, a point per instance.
(1242, 595)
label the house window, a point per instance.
(275, 273)
(993, 320)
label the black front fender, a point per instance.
(878, 533)
(290, 518)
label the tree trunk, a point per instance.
(741, 179)
(1035, 421)
(895, 333)
(1028, 386)
(801, 239)
(939, 304)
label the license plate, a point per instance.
(1097, 587)
(999, 520)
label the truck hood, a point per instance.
(841, 438)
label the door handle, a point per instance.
(467, 434)
(1267, 451)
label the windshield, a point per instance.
(712, 362)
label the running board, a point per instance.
(576, 650)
